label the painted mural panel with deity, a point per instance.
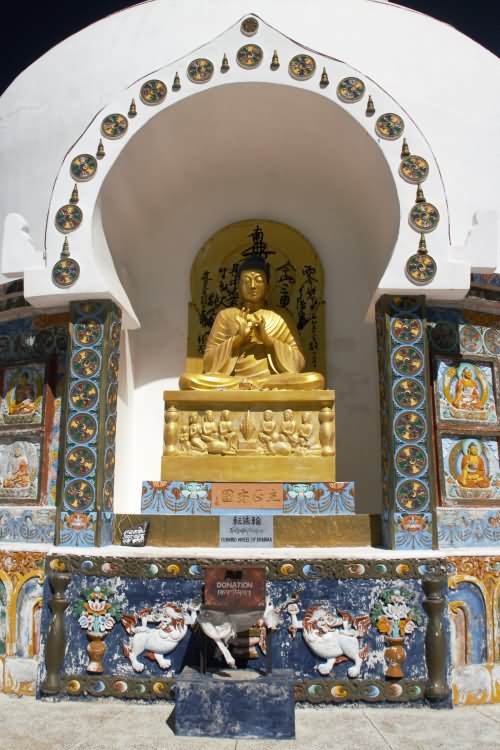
(471, 470)
(466, 392)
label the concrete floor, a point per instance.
(27, 724)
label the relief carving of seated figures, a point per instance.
(253, 346)
(19, 475)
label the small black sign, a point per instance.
(135, 537)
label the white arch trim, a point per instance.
(88, 244)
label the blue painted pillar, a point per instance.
(88, 426)
(409, 491)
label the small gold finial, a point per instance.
(275, 62)
(65, 248)
(405, 151)
(132, 111)
(420, 195)
(422, 247)
(225, 64)
(370, 107)
(74, 195)
(177, 82)
(100, 150)
(325, 81)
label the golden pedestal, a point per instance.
(249, 435)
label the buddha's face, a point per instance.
(467, 374)
(473, 451)
(253, 286)
(210, 416)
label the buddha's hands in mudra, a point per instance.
(250, 324)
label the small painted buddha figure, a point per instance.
(253, 346)
(467, 394)
(24, 398)
(473, 469)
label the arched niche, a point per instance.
(28, 613)
(300, 160)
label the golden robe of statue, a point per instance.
(473, 469)
(253, 346)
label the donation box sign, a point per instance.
(235, 587)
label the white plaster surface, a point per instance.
(113, 724)
(276, 553)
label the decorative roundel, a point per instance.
(412, 495)
(470, 339)
(390, 126)
(82, 427)
(113, 366)
(107, 494)
(444, 336)
(350, 89)
(302, 67)
(421, 269)
(79, 494)
(65, 272)
(407, 360)
(111, 429)
(249, 26)
(153, 91)
(414, 169)
(492, 340)
(406, 330)
(83, 167)
(200, 70)
(112, 397)
(115, 335)
(114, 126)
(80, 461)
(424, 217)
(249, 56)
(109, 462)
(85, 363)
(411, 460)
(68, 218)
(84, 394)
(409, 393)
(88, 332)
(410, 426)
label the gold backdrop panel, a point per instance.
(296, 284)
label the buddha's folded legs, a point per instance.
(284, 381)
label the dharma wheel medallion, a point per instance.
(68, 218)
(407, 360)
(409, 426)
(85, 363)
(414, 169)
(406, 330)
(424, 217)
(411, 460)
(200, 70)
(153, 91)
(79, 494)
(389, 126)
(421, 268)
(444, 337)
(84, 394)
(65, 272)
(470, 339)
(83, 167)
(412, 495)
(80, 461)
(114, 126)
(249, 26)
(350, 89)
(302, 67)
(88, 332)
(408, 393)
(249, 56)
(82, 427)
(492, 340)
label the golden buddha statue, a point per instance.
(473, 470)
(467, 394)
(253, 346)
